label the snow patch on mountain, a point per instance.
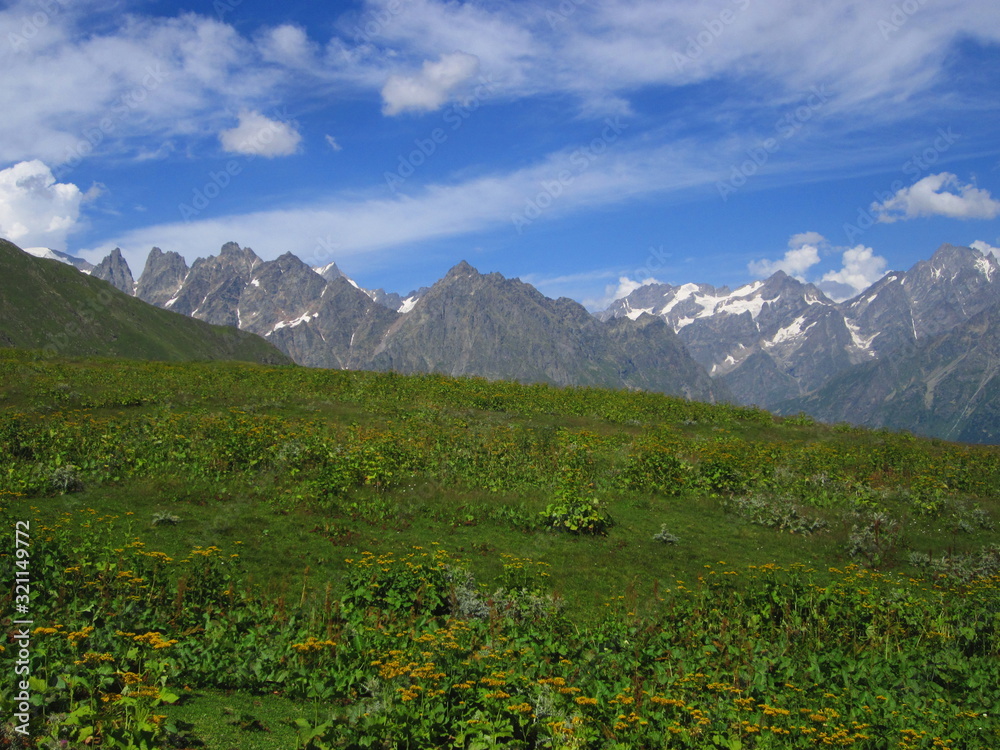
(791, 332)
(635, 314)
(861, 342)
(984, 267)
(305, 318)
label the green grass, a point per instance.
(238, 721)
(298, 471)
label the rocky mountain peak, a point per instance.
(114, 269)
(162, 277)
(329, 271)
(461, 271)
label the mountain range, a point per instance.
(914, 350)
(466, 324)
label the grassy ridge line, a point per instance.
(101, 382)
(50, 306)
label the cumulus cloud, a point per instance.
(626, 286)
(861, 268)
(806, 238)
(938, 195)
(612, 292)
(986, 249)
(802, 254)
(286, 45)
(431, 87)
(35, 210)
(257, 135)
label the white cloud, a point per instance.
(938, 195)
(587, 287)
(861, 268)
(35, 210)
(67, 78)
(806, 238)
(437, 211)
(257, 135)
(626, 285)
(603, 52)
(71, 91)
(332, 143)
(612, 292)
(802, 254)
(287, 45)
(986, 249)
(431, 87)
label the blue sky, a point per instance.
(582, 146)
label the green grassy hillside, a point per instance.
(263, 557)
(53, 307)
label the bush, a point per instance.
(577, 516)
(665, 536)
(65, 479)
(874, 537)
(654, 467)
(775, 513)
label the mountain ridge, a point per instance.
(776, 342)
(467, 323)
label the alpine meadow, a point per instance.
(236, 555)
(500, 375)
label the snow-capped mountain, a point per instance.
(777, 339)
(50, 254)
(767, 340)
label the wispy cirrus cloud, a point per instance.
(367, 225)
